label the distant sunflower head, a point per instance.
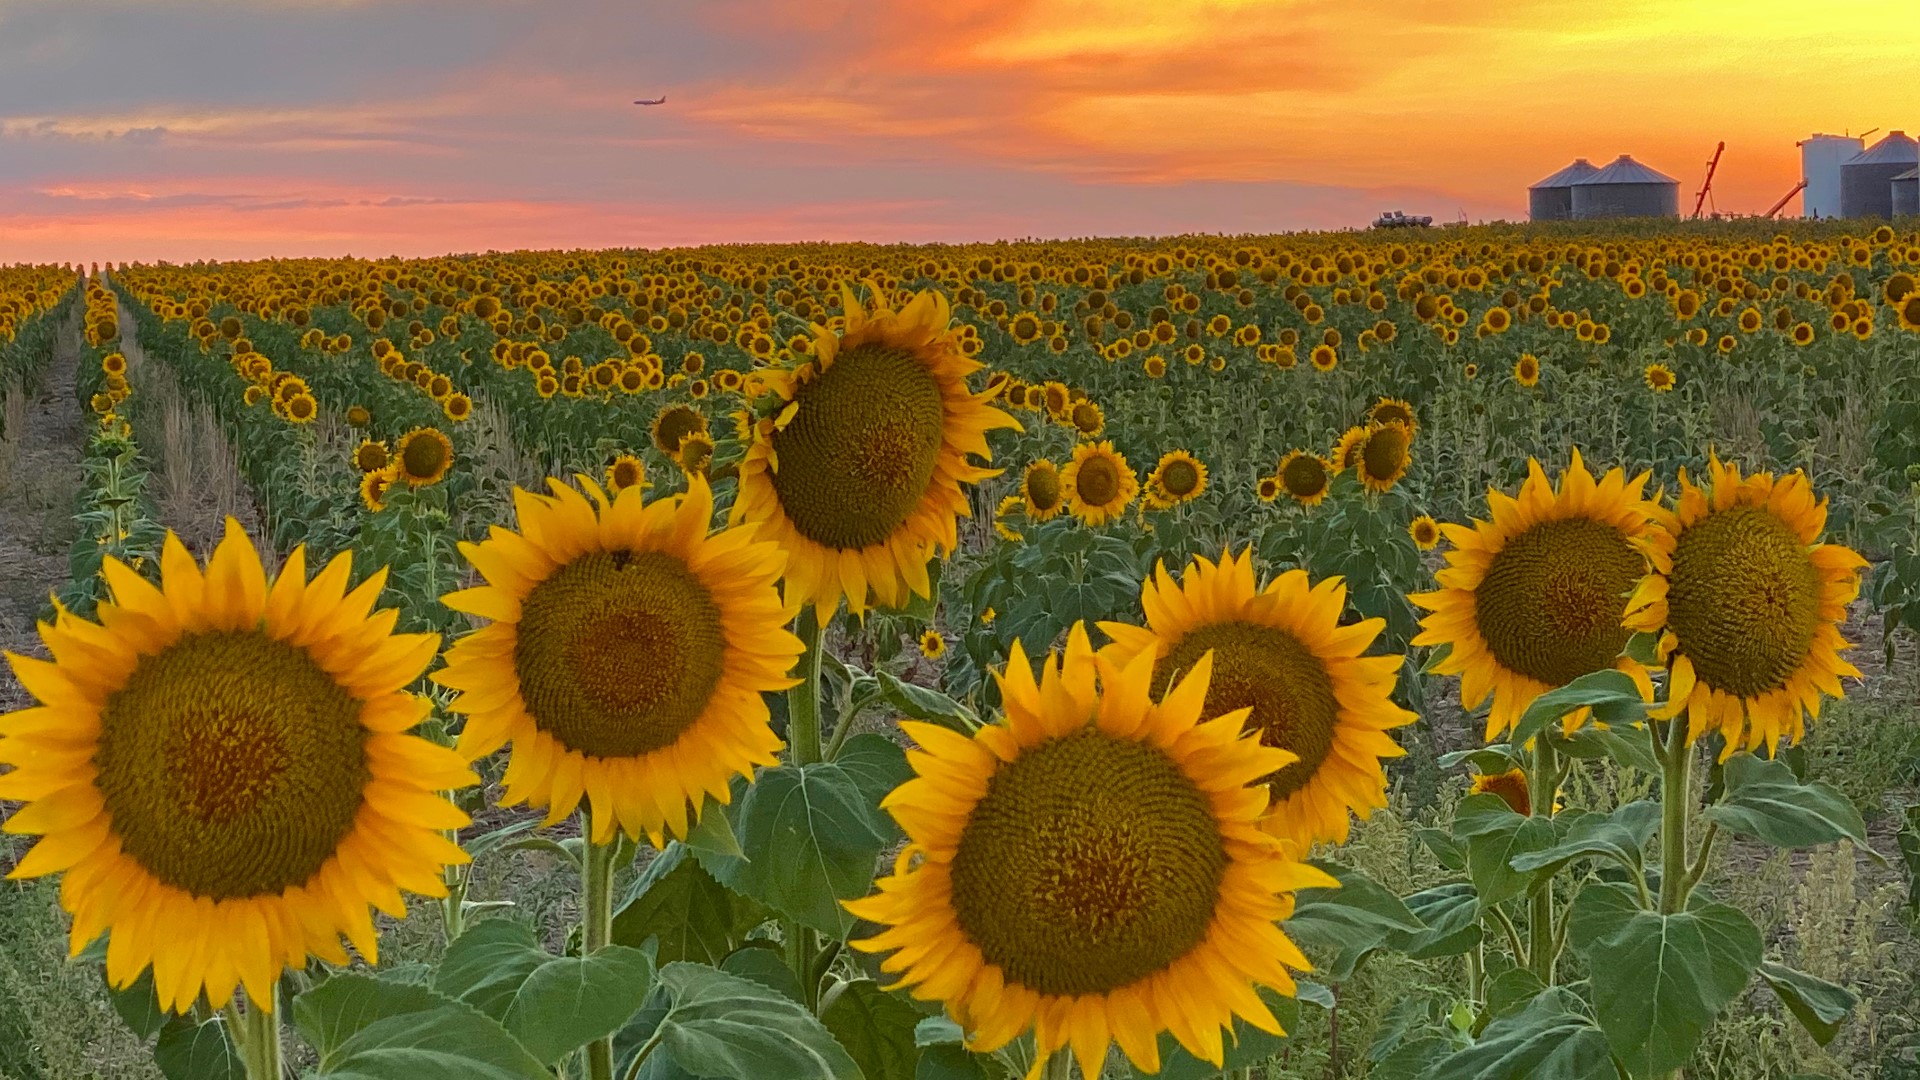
(1305, 477)
(1659, 378)
(1748, 604)
(1087, 419)
(458, 407)
(358, 416)
(932, 645)
(860, 475)
(627, 657)
(673, 424)
(371, 456)
(1101, 877)
(1346, 450)
(696, 453)
(1042, 491)
(1280, 652)
(1390, 410)
(1177, 478)
(626, 471)
(1384, 455)
(1511, 786)
(223, 769)
(1526, 370)
(300, 408)
(375, 485)
(1268, 488)
(1324, 357)
(1099, 483)
(1533, 599)
(423, 457)
(1425, 532)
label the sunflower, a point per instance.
(1268, 489)
(1281, 652)
(301, 408)
(859, 476)
(1511, 786)
(1009, 506)
(457, 406)
(1382, 458)
(371, 456)
(375, 485)
(1156, 366)
(626, 658)
(1659, 378)
(932, 645)
(423, 456)
(1090, 868)
(1387, 410)
(1425, 532)
(1346, 449)
(1526, 370)
(222, 768)
(1305, 476)
(673, 424)
(1087, 419)
(1531, 600)
(1748, 605)
(1324, 357)
(696, 453)
(1055, 399)
(626, 471)
(1041, 489)
(1179, 477)
(1099, 483)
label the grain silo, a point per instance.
(1866, 180)
(1552, 199)
(1906, 194)
(1626, 189)
(1820, 159)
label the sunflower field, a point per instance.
(1324, 655)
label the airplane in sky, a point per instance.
(661, 100)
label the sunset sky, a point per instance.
(184, 129)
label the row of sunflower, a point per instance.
(114, 515)
(232, 771)
(34, 302)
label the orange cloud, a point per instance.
(1477, 100)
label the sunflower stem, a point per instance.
(1059, 1066)
(1676, 772)
(803, 701)
(255, 1033)
(596, 926)
(1545, 783)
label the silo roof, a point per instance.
(1897, 147)
(1569, 176)
(1628, 171)
(1910, 174)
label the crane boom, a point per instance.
(1795, 190)
(1708, 186)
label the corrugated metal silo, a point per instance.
(1820, 159)
(1906, 194)
(1552, 199)
(1866, 181)
(1626, 189)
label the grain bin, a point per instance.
(1906, 194)
(1552, 199)
(1866, 180)
(1626, 189)
(1820, 159)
